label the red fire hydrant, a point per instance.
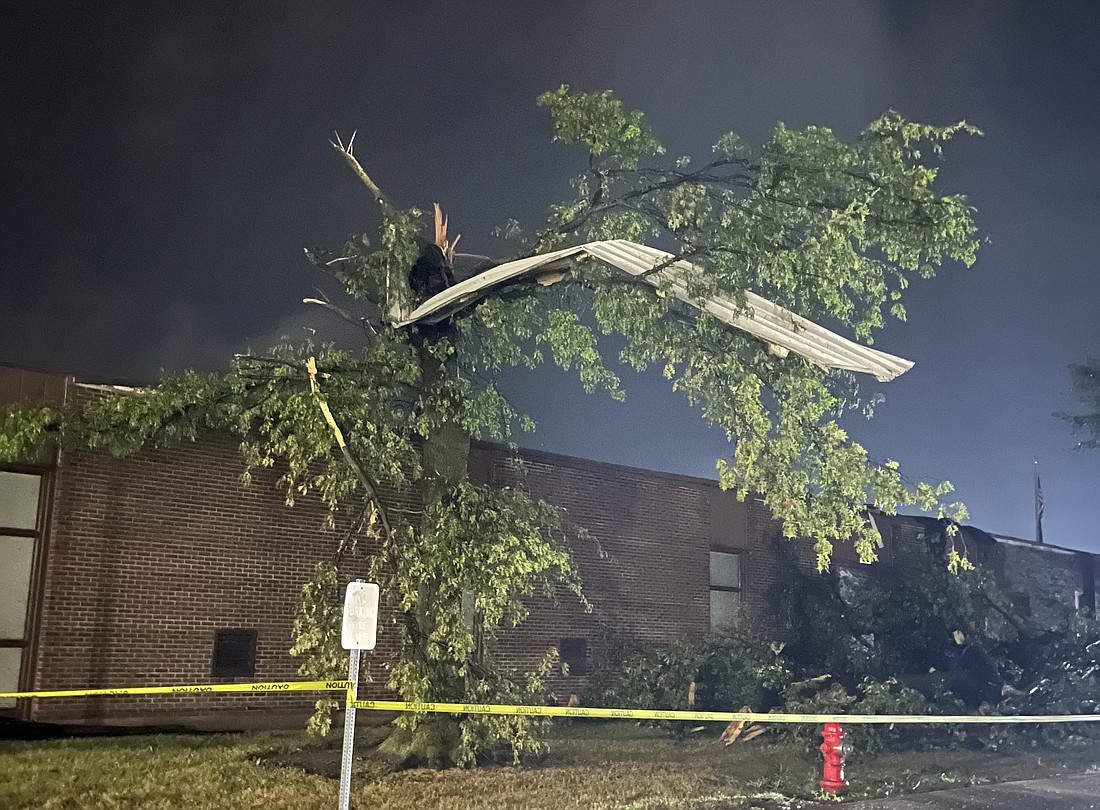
(834, 750)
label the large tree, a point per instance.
(831, 230)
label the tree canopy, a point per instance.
(832, 230)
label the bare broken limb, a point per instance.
(345, 152)
(368, 485)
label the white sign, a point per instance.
(360, 626)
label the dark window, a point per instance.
(574, 655)
(234, 654)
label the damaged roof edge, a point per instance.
(765, 320)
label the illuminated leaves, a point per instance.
(600, 122)
(829, 229)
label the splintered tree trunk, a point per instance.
(445, 458)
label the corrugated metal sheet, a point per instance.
(765, 320)
(472, 289)
(780, 328)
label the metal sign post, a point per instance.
(349, 729)
(358, 631)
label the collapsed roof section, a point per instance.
(781, 329)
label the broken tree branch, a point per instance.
(368, 485)
(345, 151)
(362, 323)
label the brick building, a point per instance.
(163, 569)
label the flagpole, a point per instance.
(1038, 505)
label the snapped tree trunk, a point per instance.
(445, 458)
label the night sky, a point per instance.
(163, 169)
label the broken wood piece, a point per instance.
(753, 732)
(735, 729)
(546, 279)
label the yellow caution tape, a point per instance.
(707, 717)
(191, 689)
(515, 710)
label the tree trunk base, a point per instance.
(434, 743)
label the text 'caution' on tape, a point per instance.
(707, 717)
(191, 689)
(556, 711)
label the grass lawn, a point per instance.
(592, 765)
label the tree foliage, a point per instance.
(832, 230)
(910, 639)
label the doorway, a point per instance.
(20, 496)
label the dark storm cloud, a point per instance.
(163, 168)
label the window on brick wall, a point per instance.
(851, 580)
(725, 588)
(19, 500)
(234, 654)
(574, 655)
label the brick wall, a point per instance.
(149, 556)
(646, 570)
(650, 581)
